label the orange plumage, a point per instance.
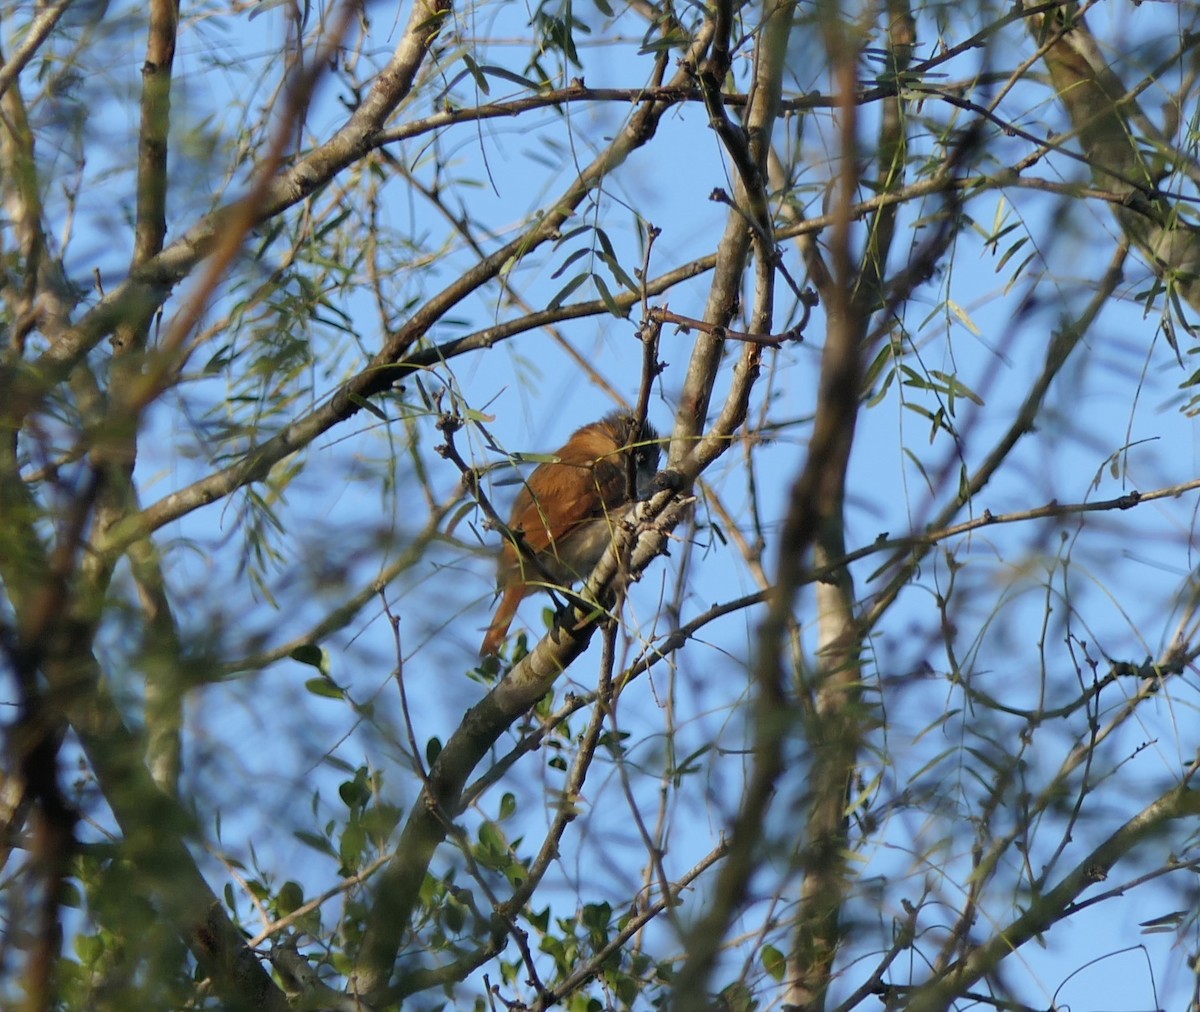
(565, 512)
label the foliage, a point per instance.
(882, 694)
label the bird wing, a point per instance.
(591, 463)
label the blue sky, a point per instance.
(356, 503)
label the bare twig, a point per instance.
(809, 300)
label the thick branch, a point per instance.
(154, 828)
(147, 287)
(387, 365)
(1103, 114)
(748, 223)
(441, 799)
(1044, 911)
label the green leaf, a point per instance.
(554, 948)
(773, 962)
(567, 263)
(606, 244)
(327, 688)
(1019, 274)
(884, 387)
(607, 298)
(881, 361)
(567, 236)
(318, 843)
(352, 846)
(963, 318)
(688, 765)
(366, 405)
(564, 293)
(596, 916)
(88, 948)
(675, 39)
(1010, 251)
(492, 839)
(618, 273)
(510, 76)
(379, 822)
(355, 793)
(477, 74)
(290, 898)
(609, 256)
(312, 655)
(736, 997)
(956, 388)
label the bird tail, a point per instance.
(505, 612)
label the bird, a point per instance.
(563, 519)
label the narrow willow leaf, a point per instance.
(606, 297)
(366, 405)
(571, 258)
(564, 293)
(963, 318)
(477, 74)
